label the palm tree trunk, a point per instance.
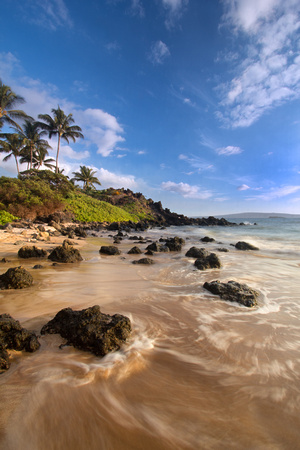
(31, 154)
(17, 164)
(58, 145)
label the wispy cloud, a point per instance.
(229, 150)
(280, 192)
(137, 8)
(186, 190)
(158, 53)
(269, 74)
(197, 163)
(50, 14)
(174, 9)
(243, 187)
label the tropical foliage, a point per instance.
(33, 142)
(13, 145)
(8, 101)
(60, 125)
(87, 177)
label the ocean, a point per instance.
(197, 373)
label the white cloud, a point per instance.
(67, 152)
(186, 190)
(197, 163)
(243, 187)
(137, 8)
(269, 74)
(229, 150)
(159, 52)
(50, 14)
(174, 9)
(115, 180)
(280, 192)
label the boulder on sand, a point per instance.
(209, 261)
(65, 253)
(14, 337)
(146, 261)
(15, 278)
(109, 250)
(195, 252)
(28, 251)
(135, 251)
(90, 330)
(233, 292)
(241, 245)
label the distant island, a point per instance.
(259, 215)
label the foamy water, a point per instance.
(197, 372)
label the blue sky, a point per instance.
(192, 102)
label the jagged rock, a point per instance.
(233, 292)
(109, 250)
(28, 251)
(149, 252)
(15, 278)
(175, 244)
(65, 253)
(14, 337)
(4, 260)
(241, 245)
(195, 252)
(146, 261)
(156, 247)
(80, 232)
(210, 261)
(90, 330)
(207, 239)
(135, 251)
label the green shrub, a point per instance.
(5, 217)
(88, 209)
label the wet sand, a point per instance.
(197, 372)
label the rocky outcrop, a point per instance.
(208, 261)
(207, 239)
(241, 245)
(14, 337)
(233, 292)
(90, 330)
(28, 251)
(109, 250)
(65, 253)
(135, 251)
(15, 278)
(195, 252)
(145, 261)
(175, 244)
(156, 247)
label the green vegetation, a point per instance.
(88, 209)
(87, 177)
(5, 217)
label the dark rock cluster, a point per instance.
(90, 330)
(14, 337)
(233, 292)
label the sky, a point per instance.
(195, 103)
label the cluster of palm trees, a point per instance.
(26, 143)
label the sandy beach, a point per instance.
(197, 372)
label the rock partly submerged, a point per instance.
(208, 261)
(28, 251)
(109, 250)
(65, 253)
(90, 330)
(14, 337)
(241, 245)
(16, 278)
(233, 292)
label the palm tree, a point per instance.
(39, 159)
(86, 175)
(32, 138)
(60, 125)
(13, 145)
(8, 101)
